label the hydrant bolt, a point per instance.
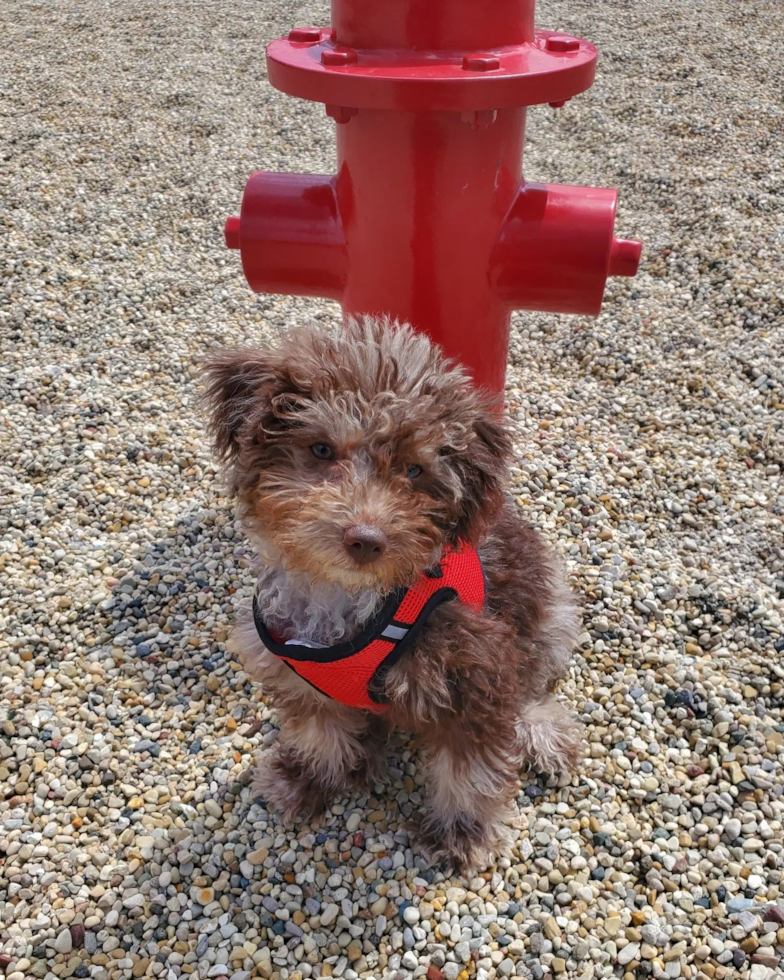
(340, 113)
(479, 118)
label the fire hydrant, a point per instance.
(428, 218)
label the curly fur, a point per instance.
(297, 607)
(477, 684)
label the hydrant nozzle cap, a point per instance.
(232, 232)
(624, 257)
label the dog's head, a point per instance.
(357, 455)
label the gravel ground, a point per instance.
(650, 449)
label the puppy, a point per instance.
(398, 587)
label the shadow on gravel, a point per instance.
(181, 693)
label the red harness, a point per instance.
(353, 672)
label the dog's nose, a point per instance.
(365, 543)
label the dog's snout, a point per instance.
(365, 543)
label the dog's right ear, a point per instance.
(236, 379)
(246, 391)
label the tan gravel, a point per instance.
(650, 451)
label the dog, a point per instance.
(399, 587)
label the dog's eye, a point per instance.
(413, 471)
(322, 451)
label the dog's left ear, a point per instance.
(483, 468)
(246, 388)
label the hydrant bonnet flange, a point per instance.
(550, 68)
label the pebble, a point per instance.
(654, 935)
(411, 915)
(329, 914)
(629, 953)
(739, 904)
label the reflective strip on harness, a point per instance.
(394, 632)
(353, 672)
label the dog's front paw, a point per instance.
(551, 740)
(465, 843)
(289, 788)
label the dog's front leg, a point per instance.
(550, 737)
(459, 692)
(470, 788)
(323, 750)
(324, 747)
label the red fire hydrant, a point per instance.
(428, 217)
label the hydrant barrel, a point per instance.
(433, 25)
(423, 198)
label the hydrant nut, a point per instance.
(560, 43)
(481, 62)
(305, 35)
(339, 57)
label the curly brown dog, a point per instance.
(398, 588)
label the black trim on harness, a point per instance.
(379, 674)
(305, 679)
(340, 651)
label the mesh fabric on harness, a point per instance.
(353, 672)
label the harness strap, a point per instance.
(353, 672)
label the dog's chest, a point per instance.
(294, 608)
